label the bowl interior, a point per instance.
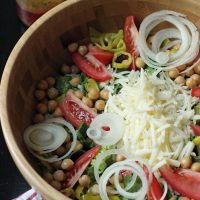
(41, 51)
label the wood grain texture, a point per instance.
(42, 50)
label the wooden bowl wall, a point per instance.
(41, 51)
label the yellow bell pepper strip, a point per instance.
(196, 141)
(68, 192)
(109, 41)
(121, 60)
(79, 192)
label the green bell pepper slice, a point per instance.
(91, 84)
(109, 41)
(124, 63)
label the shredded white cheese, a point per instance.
(156, 111)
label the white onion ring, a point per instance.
(165, 189)
(109, 137)
(61, 121)
(162, 35)
(102, 156)
(189, 37)
(55, 136)
(41, 137)
(116, 168)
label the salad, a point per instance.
(122, 121)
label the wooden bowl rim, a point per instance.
(32, 177)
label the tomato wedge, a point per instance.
(80, 165)
(196, 129)
(196, 92)
(98, 73)
(130, 37)
(75, 111)
(103, 56)
(184, 181)
(155, 191)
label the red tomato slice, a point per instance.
(196, 92)
(80, 165)
(104, 57)
(155, 191)
(196, 129)
(184, 181)
(130, 36)
(98, 73)
(75, 111)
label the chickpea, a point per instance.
(82, 50)
(41, 108)
(172, 198)
(111, 179)
(197, 69)
(93, 94)
(104, 94)
(67, 164)
(75, 81)
(173, 73)
(181, 67)
(84, 180)
(75, 69)
(70, 90)
(100, 105)
(51, 81)
(78, 94)
(57, 164)
(87, 101)
(180, 80)
(191, 83)
(196, 77)
(95, 189)
(78, 146)
(42, 85)
(65, 69)
(52, 93)
(186, 162)
(61, 150)
(38, 118)
(47, 177)
(52, 105)
(120, 157)
(56, 185)
(139, 63)
(59, 175)
(39, 94)
(195, 167)
(94, 110)
(190, 72)
(72, 47)
(57, 112)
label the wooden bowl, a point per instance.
(41, 51)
